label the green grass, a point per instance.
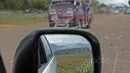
(75, 63)
(73, 58)
(3, 10)
(21, 19)
(96, 9)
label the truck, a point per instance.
(62, 13)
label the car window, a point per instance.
(62, 5)
(47, 48)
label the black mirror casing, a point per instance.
(26, 53)
(2, 67)
(25, 56)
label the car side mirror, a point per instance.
(2, 67)
(57, 50)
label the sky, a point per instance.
(114, 1)
(66, 39)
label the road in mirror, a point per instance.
(72, 52)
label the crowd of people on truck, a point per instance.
(85, 5)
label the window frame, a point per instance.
(43, 66)
(41, 54)
(45, 42)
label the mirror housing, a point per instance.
(25, 59)
(2, 67)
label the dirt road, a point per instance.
(10, 37)
(111, 30)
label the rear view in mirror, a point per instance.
(68, 54)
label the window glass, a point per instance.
(62, 5)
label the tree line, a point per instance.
(33, 4)
(24, 4)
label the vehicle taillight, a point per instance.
(49, 17)
(72, 19)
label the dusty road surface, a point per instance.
(10, 37)
(111, 30)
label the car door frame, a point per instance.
(47, 62)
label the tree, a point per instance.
(24, 4)
(103, 5)
(2, 2)
(41, 4)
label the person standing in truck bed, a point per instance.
(86, 5)
(89, 14)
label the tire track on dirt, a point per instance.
(111, 32)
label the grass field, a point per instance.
(75, 63)
(19, 19)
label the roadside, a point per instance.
(28, 19)
(18, 18)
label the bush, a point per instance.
(24, 4)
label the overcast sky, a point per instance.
(66, 39)
(114, 1)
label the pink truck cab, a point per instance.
(63, 14)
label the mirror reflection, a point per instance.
(73, 53)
